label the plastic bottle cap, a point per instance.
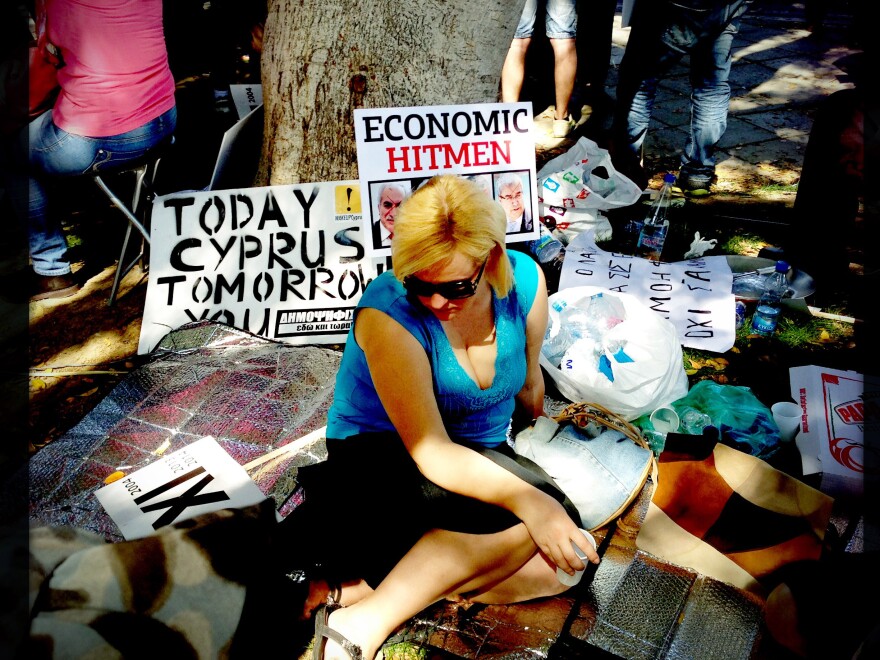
(669, 177)
(782, 266)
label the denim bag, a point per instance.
(598, 459)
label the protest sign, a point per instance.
(400, 148)
(695, 295)
(197, 479)
(284, 262)
(836, 407)
(246, 98)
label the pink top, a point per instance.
(116, 75)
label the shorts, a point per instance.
(560, 22)
(368, 504)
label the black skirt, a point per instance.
(368, 504)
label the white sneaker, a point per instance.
(562, 127)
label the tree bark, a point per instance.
(322, 59)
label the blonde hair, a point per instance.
(450, 214)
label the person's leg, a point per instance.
(564, 71)
(833, 161)
(440, 564)
(54, 152)
(513, 72)
(594, 41)
(594, 48)
(561, 29)
(48, 247)
(645, 60)
(710, 64)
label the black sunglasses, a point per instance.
(455, 290)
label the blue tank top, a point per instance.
(469, 413)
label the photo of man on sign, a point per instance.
(509, 191)
(389, 195)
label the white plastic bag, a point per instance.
(631, 365)
(575, 187)
(571, 222)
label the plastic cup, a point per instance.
(571, 580)
(665, 420)
(787, 416)
(692, 421)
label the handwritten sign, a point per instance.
(283, 262)
(695, 295)
(400, 148)
(197, 479)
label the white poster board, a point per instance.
(695, 295)
(398, 149)
(246, 98)
(283, 262)
(836, 407)
(197, 479)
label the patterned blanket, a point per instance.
(730, 515)
(202, 588)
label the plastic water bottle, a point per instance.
(766, 316)
(656, 225)
(546, 247)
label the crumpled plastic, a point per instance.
(743, 421)
(575, 187)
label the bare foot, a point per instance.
(346, 622)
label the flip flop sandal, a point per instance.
(323, 632)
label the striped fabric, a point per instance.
(730, 515)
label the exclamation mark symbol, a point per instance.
(348, 194)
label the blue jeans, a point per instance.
(659, 38)
(560, 21)
(57, 153)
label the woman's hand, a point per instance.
(553, 531)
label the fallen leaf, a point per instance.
(38, 384)
(89, 392)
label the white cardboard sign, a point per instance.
(405, 147)
(246, 98)
(284, 262)
(836, 407)
(197, 479)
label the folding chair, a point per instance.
(137, 213)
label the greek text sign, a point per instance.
(695, 295)
(283, 262)
(401, 148)
(197, 479)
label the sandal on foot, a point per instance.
(323, 632)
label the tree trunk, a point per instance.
(323, 58)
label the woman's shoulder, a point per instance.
(519, 260)
(525, 278)
(381, 290)
(386, 294)
(525, 269)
